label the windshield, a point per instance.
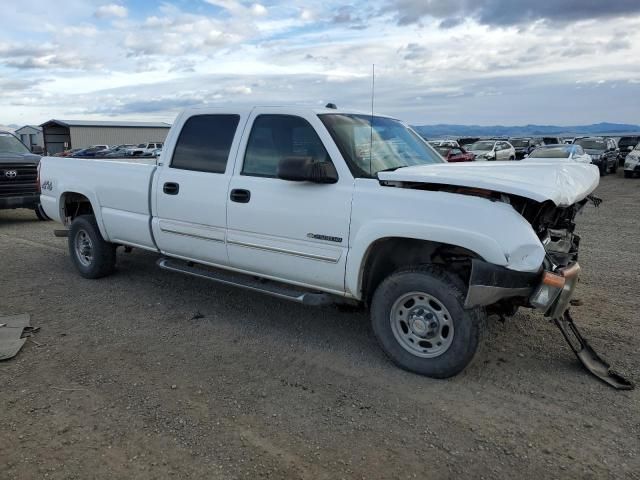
(628, 142)
(386, 146)
(552, 152)
(10, 144)
(591, 144)
(519, 142)
(482, 146)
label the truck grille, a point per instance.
(18, 179)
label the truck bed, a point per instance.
(121, 188)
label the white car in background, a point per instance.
(554, 153)
(144, 149)
(492, 150)
(632, 162)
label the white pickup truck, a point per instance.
(326, 205)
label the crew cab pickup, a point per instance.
(325, 205)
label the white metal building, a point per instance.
(31, 136)
(60, 135)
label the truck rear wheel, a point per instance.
(419, 319)
(91, 254)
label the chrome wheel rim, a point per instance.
(84, 248)
(421, 324)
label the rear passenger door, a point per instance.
(190, 217)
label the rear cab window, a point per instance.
(205, 142)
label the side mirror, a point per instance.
(630, 147)
(304, 169)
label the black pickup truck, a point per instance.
(18, 176)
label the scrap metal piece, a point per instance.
(587, 355)
(11, 340)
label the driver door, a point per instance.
(292, 231)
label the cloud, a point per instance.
(111, 10)
(509, 12)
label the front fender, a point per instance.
(493, 230)
(484, 246)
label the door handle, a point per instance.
(171, 188)
(240, 196)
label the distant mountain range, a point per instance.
(444, 130)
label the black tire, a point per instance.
(512, 158)
(603, 169)
(467, 325)
(40, 213)
(628, 174)
(100, 257)
(614, 169)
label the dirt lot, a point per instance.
(148, 374)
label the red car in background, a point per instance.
(454, 154)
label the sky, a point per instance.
(485, 62)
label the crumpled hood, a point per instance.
(29, 158)
(563, 183)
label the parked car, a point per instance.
(18, 176)
(153, 153)
(67, 153)
(444, 143)
(144, 148)
(551, 140)
(603, 151)
(626, 145)
(524, 146)
(90, 151)
(455, 154)
(115, 151)
(632, 162)
(467, 141)
(492, 150)
(327, 205)
(554, 153)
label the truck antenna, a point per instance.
(373, 89)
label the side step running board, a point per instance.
(269, 287)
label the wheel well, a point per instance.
(387, 255)
(74, 204)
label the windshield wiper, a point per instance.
(392, 169)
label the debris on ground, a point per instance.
(14, 331)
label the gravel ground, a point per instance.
(148, 374)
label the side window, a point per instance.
(204, 143)
(274, 137)
(455, 151)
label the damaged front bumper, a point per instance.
(548, 292)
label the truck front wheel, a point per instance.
(419, 319)
(91, 254)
